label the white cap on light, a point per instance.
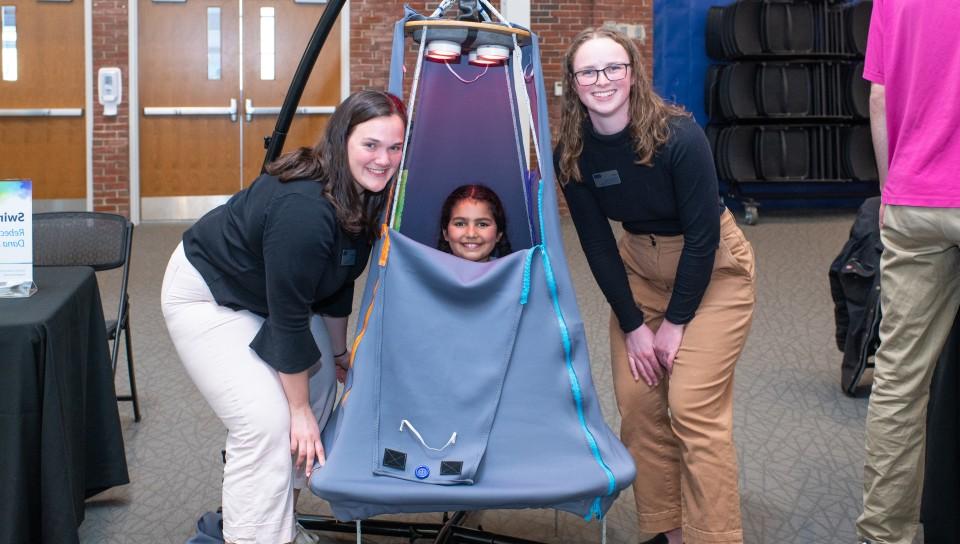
(492, 52)
(443, 50)
(477, 61)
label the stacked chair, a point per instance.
(788, 108)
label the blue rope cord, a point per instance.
(525, 291)
(595, 509)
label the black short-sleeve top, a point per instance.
(276, 249)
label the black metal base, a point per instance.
(450, 531)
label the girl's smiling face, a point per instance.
(472, 231)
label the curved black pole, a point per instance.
(275, 143)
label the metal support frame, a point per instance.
(449, 531)
(299, 81)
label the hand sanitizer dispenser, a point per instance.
(109, 89)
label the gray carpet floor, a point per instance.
(799, 439)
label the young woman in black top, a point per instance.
(680, 284)
(260, 284)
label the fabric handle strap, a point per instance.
(450, 442)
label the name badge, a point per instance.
(606, 179)
(348, 257)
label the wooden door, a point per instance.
(42, 128)
(189, 79)
(265, 91)
(207, 105)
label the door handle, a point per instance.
(195, 110)
(42, 112)
(250, 110)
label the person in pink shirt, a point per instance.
(913, 63)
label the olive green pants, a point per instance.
(919, 298)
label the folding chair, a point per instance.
(745, 23)
(739, 148)
(737, 90)
(714, 38)
(783, 89)
(857, 26)
(858, 161)
(101, 241)
(783, 153)
(857, 91)
(788, 28)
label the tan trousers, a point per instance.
(680, 433)
(919, 298)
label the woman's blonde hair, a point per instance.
(649, 114)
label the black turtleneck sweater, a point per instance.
(677, 194)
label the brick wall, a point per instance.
(555, 21)
(111, 134)
(371, 23)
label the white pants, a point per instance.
(245, 392)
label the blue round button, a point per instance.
(422, 472)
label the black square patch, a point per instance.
(348, 257)
(450, 468)
(394, 459)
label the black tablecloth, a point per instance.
(60, 438)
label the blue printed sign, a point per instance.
(16, 236)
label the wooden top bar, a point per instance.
(412, 26)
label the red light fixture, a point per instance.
(443, 50)
(495, 53)
(477, 61)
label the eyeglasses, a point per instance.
(613, 72)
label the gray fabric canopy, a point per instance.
(470, 385)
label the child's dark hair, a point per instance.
(480, 193)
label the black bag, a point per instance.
(855, 287)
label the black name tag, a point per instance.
(348, 257)
(606, 179)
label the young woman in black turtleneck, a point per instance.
(680, 283)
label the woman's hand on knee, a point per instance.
(641, 356)
(666, 344)
(305, 445)
(342, 364)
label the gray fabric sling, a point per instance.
(494, 352)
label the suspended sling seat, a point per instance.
(469, 384)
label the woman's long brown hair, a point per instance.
(327, 161)
(649, 114)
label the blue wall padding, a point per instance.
(679, 51)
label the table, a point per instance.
(60, 439)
